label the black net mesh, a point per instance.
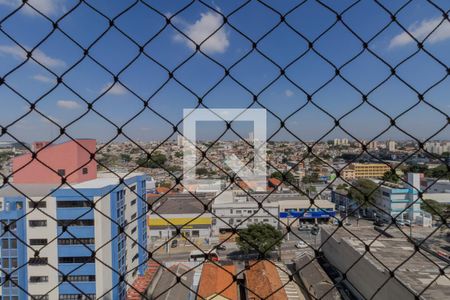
(338, 77)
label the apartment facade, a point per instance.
(57, 246)
(62, 231)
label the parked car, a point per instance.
(174, 244)
(379, 223)
(221, 247)
(303, 227)
(301, 245)
(409, 223)
(400, 222)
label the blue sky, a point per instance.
(169, 48)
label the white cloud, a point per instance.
(68, 104)
(43, 78)
(18, 53)
(47, 7)
(289, 93)
(117, 89)
(200, 31)
(421, 30)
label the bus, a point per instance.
(197, 255)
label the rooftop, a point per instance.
(263, 281)
(183, 203)
(218, 281)
(420, 269)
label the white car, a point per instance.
(301, 245)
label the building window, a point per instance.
(76, 260)
(78, 278)
(135, 257)
(38, 279)
(79, 241)
(133, 216)
(40, 297)
(61, 172)
(63, 204)
(37, 223)
(85, 171)
(40, 204)
(36, 261)
(133, 230)
(38, 242)
(76, 222)
(133, 188)
(76, 296)
(133, 202)
(5, 263)
(5, 244)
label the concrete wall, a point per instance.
(68, 156)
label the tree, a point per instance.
(157, 160)
(288, 177)
(435, 208)
(415, 168)
(201, 171)
(391, 176)
(125, 157)
(178, 154)
(361, 189)
(314, 177)
(259, 237)
(438, 172)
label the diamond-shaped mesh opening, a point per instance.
(95, 198)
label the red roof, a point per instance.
(275, 181)
(141, 283)
(217, 280)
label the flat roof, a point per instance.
(29, 189)
(103, 180)
(420, 269)
(184, 203)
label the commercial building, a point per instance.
(390, 200)
(364, 170)
(72, 241)
(238, 209)
(392, 269)
(233, 209)
(182, 211)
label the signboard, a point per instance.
(307, 215)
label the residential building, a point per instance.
(392, 269)
(216, 282)
(49, 162)
(48, 245)
(391, 146)
(269, 280)
(364, 170)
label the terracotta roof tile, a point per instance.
(216, 281)
(263, 282)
